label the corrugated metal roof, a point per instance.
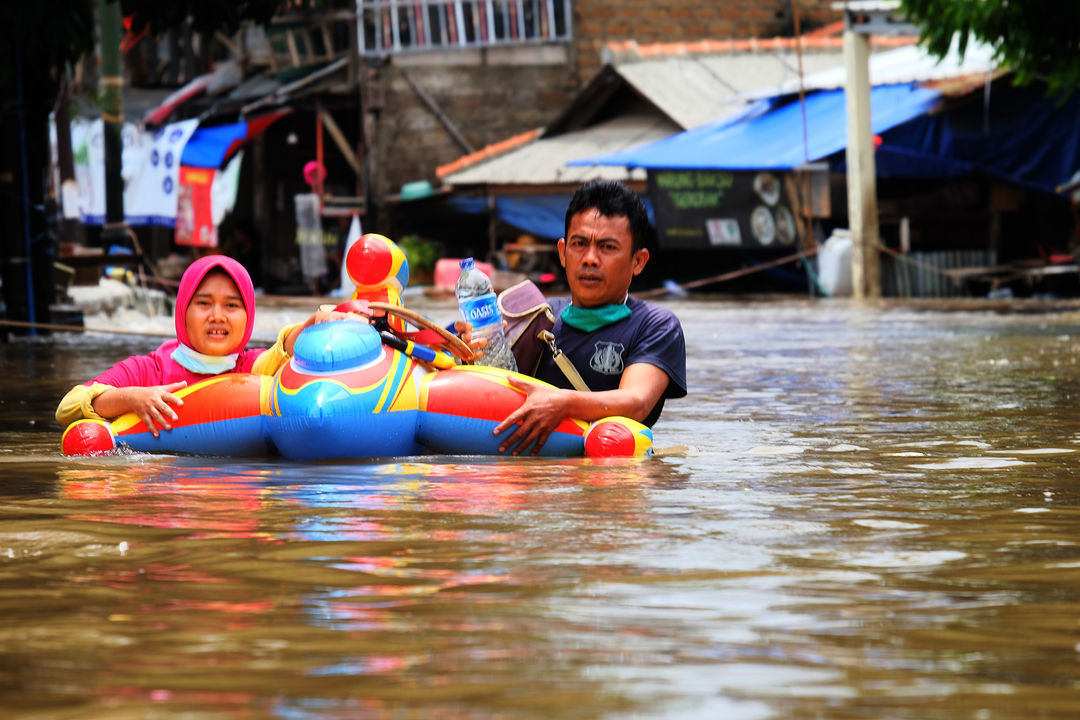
(696, 89)
(687, 90)
(688, 85)
(781, 139)
(900, 66)
(543, 162)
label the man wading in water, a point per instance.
(630, 352)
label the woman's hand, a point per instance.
(152, 405)
(319, 316)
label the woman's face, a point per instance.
(216, 317)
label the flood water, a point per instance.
(857, 513)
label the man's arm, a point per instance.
(640, 387)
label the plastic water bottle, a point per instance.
(478, 305)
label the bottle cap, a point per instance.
(466, 263)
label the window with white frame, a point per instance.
(387, 27)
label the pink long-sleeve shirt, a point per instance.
(158, 368)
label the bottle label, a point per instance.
(481, 311)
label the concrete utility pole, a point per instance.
(863, 18)
(861, 172)
(111, 86)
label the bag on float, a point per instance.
(527, 313)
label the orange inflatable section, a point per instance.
(481, 393)
(221, 398)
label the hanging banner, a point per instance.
(224, 189)
(310, 239)
(150, 163)
(153, 188)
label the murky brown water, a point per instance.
(859, 513)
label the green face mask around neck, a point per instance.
(589, 319)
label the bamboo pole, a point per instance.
(734, 274)
(80, 328)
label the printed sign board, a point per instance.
(703, 209)
(194, 222)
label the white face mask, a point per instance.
(197, 362)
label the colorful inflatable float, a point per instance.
(359, 390)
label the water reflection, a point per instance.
(327, 570)
(859, 513)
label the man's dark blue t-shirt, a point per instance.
(652, 334)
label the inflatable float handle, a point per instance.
(441, 360)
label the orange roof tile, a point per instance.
(833, 28)
(829, 36)
(487, 152)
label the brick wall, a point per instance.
(598, 22)
(494, 94)
(486, 99)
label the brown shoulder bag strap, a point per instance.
(563, 362)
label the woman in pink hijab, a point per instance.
(215, 314)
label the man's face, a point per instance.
(598, 254)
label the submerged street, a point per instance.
(858, 512)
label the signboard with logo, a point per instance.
(703, 209)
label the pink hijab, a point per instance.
(190, 282)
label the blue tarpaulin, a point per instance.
(1017, 135)
(774, 141)
(540, 215)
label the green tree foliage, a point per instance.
(1036, 39)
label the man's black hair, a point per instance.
(612, 199)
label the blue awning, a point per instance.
(541, 215)
(211, 147)
(774, 141)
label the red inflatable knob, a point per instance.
(618, 437)
(375, 261)
(87, 437)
